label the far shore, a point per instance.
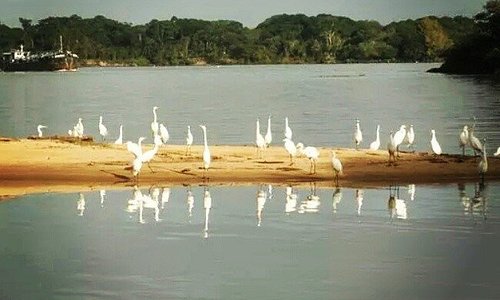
(55, 165)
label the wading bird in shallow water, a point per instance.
(206, 151)
(436, 148)
(189, 140)
(483, 164)
(291, 149)
(358, 135)
(376, 144)
(268, 138)
(463, 138)
(259, 140)
(103, 131)
(311, 153)
(288, 130)
(391, 148)
(39, 130)
(119, 140)
(337, 167)
(154, 125)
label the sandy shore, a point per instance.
(49, 165)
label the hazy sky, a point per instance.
(250, 13)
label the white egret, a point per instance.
(189, 140)
(474, 142)
(391, 148)
(483, 164)
(497, 153)
(135, 149)
(337, 167)
(206, 151)
(103, 131)
(39, 130)
(147, 156)
(376, 144)
(157, 140)
(79, 128)
(165, 136)
(291, 149)
(259, 140)
(399, 136)
(154, 124)
(410, 136)
(436, 148)
(311, 153)
(268, 137)
(119, 140)
(358, 135)
(288, 130)
(463, 139)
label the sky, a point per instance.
(250, 13)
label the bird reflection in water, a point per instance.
(359, 200)
(207, 205)
(269, 192)
(140, 202)
(312, 203)
(411, 191)
(290, 200)
(190, 202)
(80, 204)
(261, 201)
(102, 193)
(336, 198)
(396, 206)
(165, 197)
(477, 205)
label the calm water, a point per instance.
(321, 102)
(437, 242)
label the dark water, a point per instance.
(321, 101)
(437, 242)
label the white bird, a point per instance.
(410, 136)
(103, 131)
(136, 167)
(474, 142)
(79, 128)
(259, 140)
(207, 205)
(290, 200)
(483, 164)
(147, 156)
(39, 129)
(261, 201)
(135, 149)
(102, 193)
(157, 140)
(119, 140)
(464, 138)
(268, 137)
(336, 198)
(165, 136)
(288, 130)
(311, 153)
(206, 151)
(436, 148)
(376, 144)
(497, 153)
(291, 149)
(154, 124)
(358, 135)
(189, 140)
(80, 204)
(337, 167)
(391, 148)
(399, 137)
(359, 199)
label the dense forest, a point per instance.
(279, 39)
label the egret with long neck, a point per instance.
(119, 140)
(376, 144)
(206, 151)
(268, 137)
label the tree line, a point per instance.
(279, 39)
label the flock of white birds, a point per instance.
(396, 139)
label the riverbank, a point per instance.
(52, 165)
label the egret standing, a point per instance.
(410, 135)
(399, 136)
(497, 153)
(165, 136)
(288, 130)
(103, 131)
(376, 144)
(436, 148)
(189, 140)
(78, 128)
(291, 149)
(337, 167)
(474, 142)
(463, 139)
(39, 129)
(206, 151)
(391, 148)
(358, 135)
(483, 164)
(154, 124)
(119, 140)
(268, 137)
(259, 140)
(311, 153)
